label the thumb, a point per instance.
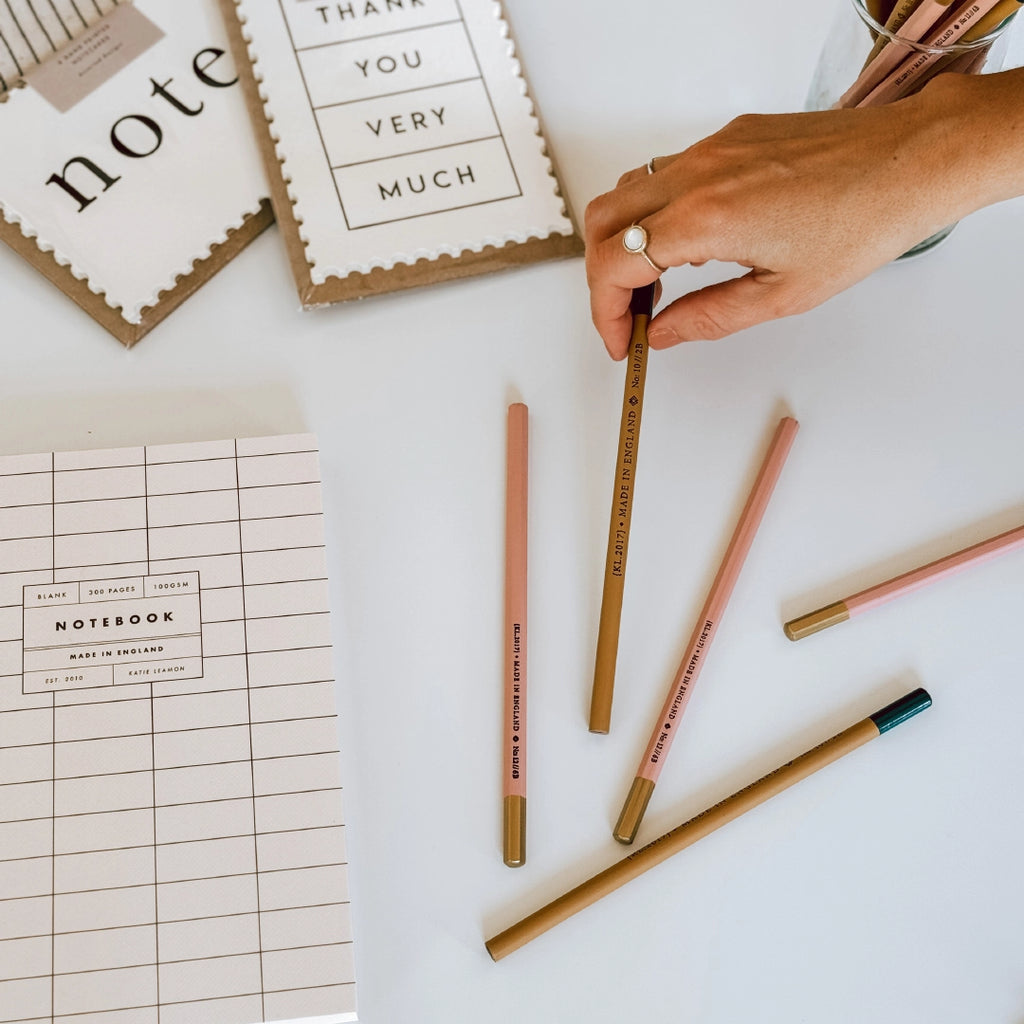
(721, 309)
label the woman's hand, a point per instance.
(809, 202)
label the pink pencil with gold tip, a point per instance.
(704, 632)
(516, 490)
(848, 607)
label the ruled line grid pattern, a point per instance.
(173, 851)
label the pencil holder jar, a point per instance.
(878, 51)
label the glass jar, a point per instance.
(864, 63)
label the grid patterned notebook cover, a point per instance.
(171, 842)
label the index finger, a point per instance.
(613, 271)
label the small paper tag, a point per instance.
(94, 57)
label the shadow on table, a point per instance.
(67, 422)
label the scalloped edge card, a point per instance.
(130, 174)
(400, 140)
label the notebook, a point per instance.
(129, 174)
(400, 141)
(171, 841)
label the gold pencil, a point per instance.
(703, 824)
(641, 306)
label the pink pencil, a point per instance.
(707, 625)
(913, 29)
(962, 27)
(514, 788)
(840, 611)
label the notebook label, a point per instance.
(142, 629)
(94, 57)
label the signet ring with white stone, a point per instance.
(634, 240)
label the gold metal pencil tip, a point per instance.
(814, 622)
(633, 810)
(514, 831)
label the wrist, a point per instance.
(973, 131)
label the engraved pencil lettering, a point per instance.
(622, 498)
(517, 647)
(658, 750)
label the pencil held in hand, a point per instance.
(622, 513)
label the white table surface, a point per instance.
(887, 888)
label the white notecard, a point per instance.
(403, 129)
(132, 178)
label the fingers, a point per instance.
(612, 271)
(615, 332)
(612, 277)
(721, 309)
(655, 164)
(618, 328)
(636, 172)
(628, 203)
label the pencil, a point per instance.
(897, 16)
(890, 55)
(704, 632)
(705, 823)
(516, 489)
(965, 26)
(995, 17)
(973, 61)
(865, 600)
(641, 307)
(876, 9)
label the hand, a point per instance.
(809, 202)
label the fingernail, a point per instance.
(663, 336)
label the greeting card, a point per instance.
(400, 140)
(128, 173)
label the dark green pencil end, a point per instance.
(900, 710)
